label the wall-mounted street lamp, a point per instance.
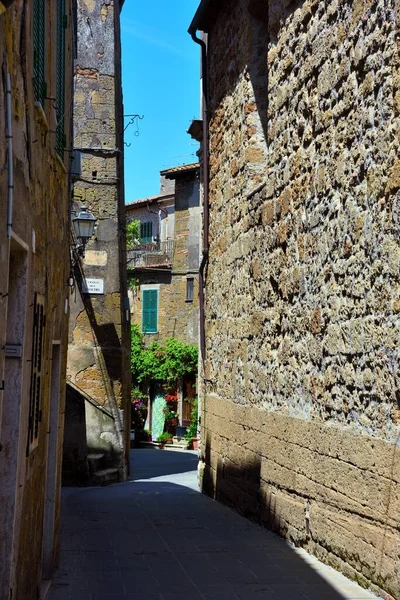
(83, 223)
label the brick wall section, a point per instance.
(303, 291)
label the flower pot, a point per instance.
(180, 431)
(195, 443)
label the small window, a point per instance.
(146, 232)
(189, 289)
(149, 311)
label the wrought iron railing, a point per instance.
(151, 254)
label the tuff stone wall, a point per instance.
(176, 317)
(301, 406)
(35, 259)
(98, 354)
(187, 224)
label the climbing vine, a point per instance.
(168, 362)
(132, 234)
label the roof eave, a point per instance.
(145, 201)
(200, 20)
(175, 174)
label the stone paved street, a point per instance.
(157, 538)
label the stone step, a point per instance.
(95, 462)
(176, 446)
(105, 476)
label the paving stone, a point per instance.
(160, 539)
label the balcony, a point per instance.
(151, 254)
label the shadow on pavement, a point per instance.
(146, 464)
(157, 540)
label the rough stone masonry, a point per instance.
(301, 407)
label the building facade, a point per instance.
(99, 340)
(163, 268)
(300, 387)
(36, 53)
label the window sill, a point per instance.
(189, 301)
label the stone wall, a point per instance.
(187, 224)
(176, 317)
(33, 260)
(98, 355)
(301, 399)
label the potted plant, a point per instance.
(170, 413)
(191, 434)
(164, 438)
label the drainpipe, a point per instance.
(164, 210)
(10, 157)
(153, 212)
(204, 260)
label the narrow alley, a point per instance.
(157, 538)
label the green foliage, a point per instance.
(139, 403)
(132, 234)
(142, 435)
(164, 437)
(192, 429)
(133, 282)
(168, 363)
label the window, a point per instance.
(149, 311)
(60, 81)
(189, 289)
(35, 408)
(39, 83)
(146, 232)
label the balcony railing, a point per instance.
(152, 254)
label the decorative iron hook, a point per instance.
(133, 119)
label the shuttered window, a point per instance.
(60, 81)
(149, 311)
(37, 372)
(39, 83)
(146, 232)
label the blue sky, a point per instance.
(161, 66)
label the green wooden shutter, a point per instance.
(149, 311)
(60, 82)
(146, 232)
(39, 18)
(37, 373)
